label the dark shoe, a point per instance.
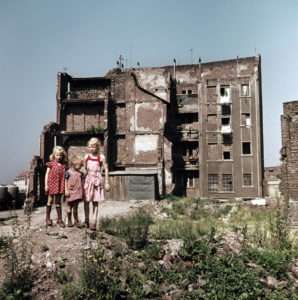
(59, 219)
(78, 224)
(92, 227)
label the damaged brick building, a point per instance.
(192, 130)
(289, 155)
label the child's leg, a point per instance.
(59, 210)
(75, 214)
(48, 211)
(86, 210)
(69, 211)
(94, 215)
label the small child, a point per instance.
(55, 183)
(74, 190)
(94, 185)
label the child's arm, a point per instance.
(106, 169)
(66, 184)
(46, 187)
(85, 162)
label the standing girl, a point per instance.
(94, 185)
(74, 190)
(55, 184)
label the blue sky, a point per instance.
(41, 38)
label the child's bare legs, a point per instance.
(86, 211)
(94, 215)
(69, 211)
(48, 211)
(59, 210)
(75, 214)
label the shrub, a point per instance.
(133, 229)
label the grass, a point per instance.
(202, 268)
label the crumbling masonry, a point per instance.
(289, 156)
(192, 130)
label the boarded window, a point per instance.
(213, 152)
(212, 138)
(246, 148)
(211, 94)
(227, 182)
(213, 182)
(247, 180)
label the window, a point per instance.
(244, 90)
(247, 180)
(191, 182)
(183, 92)
(224, 91)
(227, 182)
(225, 121)
(226, 109)
(212, 182)
(189, 92)
(246, 148)
(227, 139)
(225, 94)
(245, 119)
(227, 155)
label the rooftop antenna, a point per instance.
(138, 64)
(191, 55)
(121, 62)
(174, 60)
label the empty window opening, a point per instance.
(227, 182)
(247, 180)
(246, 148)
(245, 119)
(227, 155)
(189, 92)
(227, 139)
(225, 94)
(244, 90)
(213, 182)
(224, 91)
(225, 121)
(183, 92)
(226, 109)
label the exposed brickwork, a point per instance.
(289, 155)
(171, 123)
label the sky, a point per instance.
(38, 39)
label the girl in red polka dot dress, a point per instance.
(55, 183)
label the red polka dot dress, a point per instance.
(56, 178)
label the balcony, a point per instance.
(188, 134)
(86, 97)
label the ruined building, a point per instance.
(192, 130)
(289, 156)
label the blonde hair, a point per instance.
(59, 149)
(93, 141)
(75, 159)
